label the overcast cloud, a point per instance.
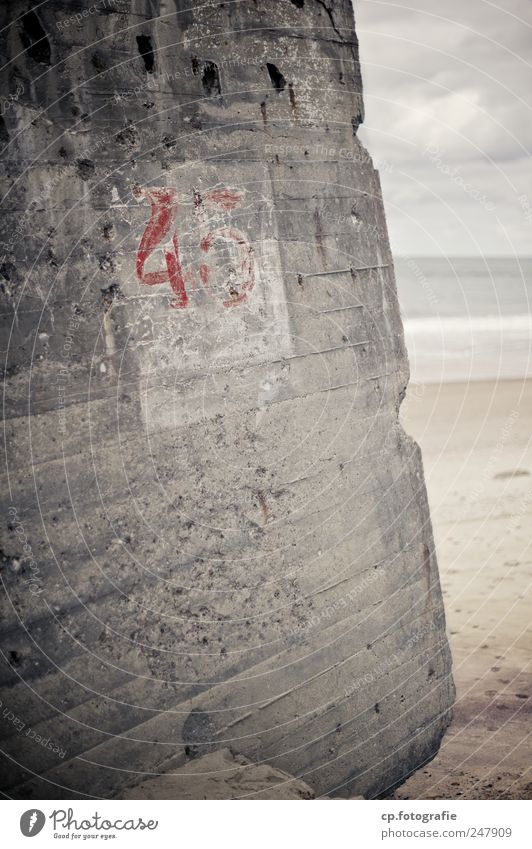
(448, 92)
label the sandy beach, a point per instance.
(476, 442)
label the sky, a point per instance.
(448, 95)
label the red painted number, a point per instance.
(161, 233)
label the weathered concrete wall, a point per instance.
(217, 532)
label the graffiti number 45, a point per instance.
(161, 233)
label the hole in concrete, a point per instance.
(127, 138)
(34, 39)
(146, 51)
(278, 81)
(298, 3)
(210, 79)
(4, 135)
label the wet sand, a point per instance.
(477, 449)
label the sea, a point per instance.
(466, 318)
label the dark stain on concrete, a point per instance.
(85, 168)
(198, 734)
(319, 235)
(263, 507)
(110, 294)
(210, 79)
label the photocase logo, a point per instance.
(32, 822)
